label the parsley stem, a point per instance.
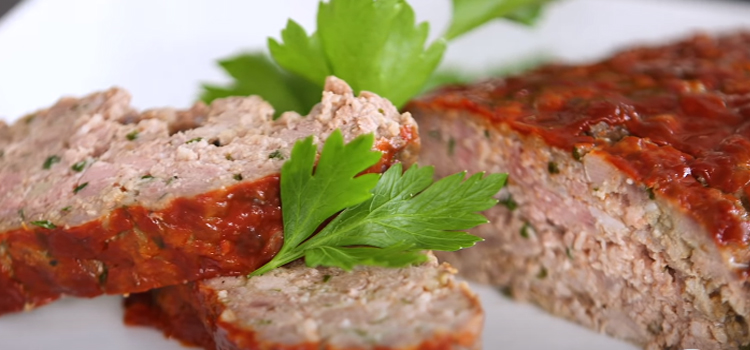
(281, 259)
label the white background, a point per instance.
(161, 49)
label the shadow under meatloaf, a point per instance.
(626, 204)
(98, 198)
(300, 308)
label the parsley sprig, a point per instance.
(374, 45)
(384, 220)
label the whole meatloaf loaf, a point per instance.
(98, 198)
(629, 188)
(300, 308)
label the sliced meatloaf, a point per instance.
(99, 198)
(629, 179)
(296, 307)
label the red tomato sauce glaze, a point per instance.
(675, 118)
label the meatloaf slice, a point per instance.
(627, 203)
(296, 307)
(99, 198)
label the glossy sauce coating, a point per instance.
(225, 232)
(676, 118)
(228, 231)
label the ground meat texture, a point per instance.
(296, 307)
(626, 206)
(99, 198)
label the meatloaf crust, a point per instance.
(627, 205)
(99, 198)
(300, 308)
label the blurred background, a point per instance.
(161, 49)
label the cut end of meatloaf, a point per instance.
(296, 307)
(148, 159)
(625, 208)
(99, 198)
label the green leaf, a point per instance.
(398, 255)
(311, 194)
(333, 185)
(388, 221)
(372, 45)
(470, 14)
(255, 74)
(410, 209)
(380, 48)
(300, 54)
(527, 15)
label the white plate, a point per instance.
(160, 50)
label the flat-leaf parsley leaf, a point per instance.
(470, 14)
(255, 74)
(386, 222)
(372, 45)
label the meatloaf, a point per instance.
(627, 203)
(99, 198)
(301, 308)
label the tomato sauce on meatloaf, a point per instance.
(676, 118)
(100, 198)
(229, 231)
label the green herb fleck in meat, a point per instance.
(80, 187)
(44, 224)
(552, 168)
(132, 135)
(276, 155)
(509, 203)
(78, 167)
(50, 161)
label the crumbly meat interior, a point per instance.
(584, 241)
(99, 198)
(417, 308)
(395, 308)
(91, 155)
